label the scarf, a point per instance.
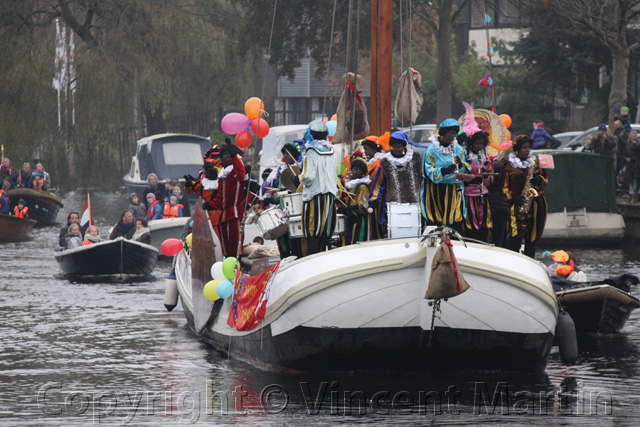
(400, 161)
(353, 183)
(124, 228)
(517, 163)
(139, 233)
(94, 239)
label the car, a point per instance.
(577, 143)
(420, 133)
(566, 137)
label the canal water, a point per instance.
(110, 354)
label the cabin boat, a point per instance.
(362, 307)
(581, 199)
(14, 229)
(43, 205)
(110, 260)
(168, 155)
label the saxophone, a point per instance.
(528, 193)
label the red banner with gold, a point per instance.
(250, 297)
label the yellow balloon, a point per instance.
(189, 239)
(209, 290)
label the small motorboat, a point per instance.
(163, 229)
(14, 229)
(119, 259)
(43, 205)
(598, 307)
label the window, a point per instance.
(181, 153)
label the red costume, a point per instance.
(230, 201)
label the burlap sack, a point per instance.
(346, 105)
(446, 279)
(409, 98)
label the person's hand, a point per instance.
(536, 180)
(476, 180)
(188, 180)
(449, 169)
(207, 206)
(457, 160)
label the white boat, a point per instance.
(363, 307)
(168, 155)
(168, 228)
(580, 207)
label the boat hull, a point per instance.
(43, 206)
(584, 227)
(14, 229)
(119, 258)
(598, 309)
(363, 307)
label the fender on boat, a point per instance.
(567, 338)
(171, 292)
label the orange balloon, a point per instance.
(334, 118)
(260, 128)
(506, 119)
(254, 107)
(508, 136)
(243, 139)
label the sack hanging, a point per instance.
(446, 280)
(347, 123)
(409, 98)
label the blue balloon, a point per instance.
(224, 289)
(332, 126)
(191, 223)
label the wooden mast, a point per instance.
(381, 65)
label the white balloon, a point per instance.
(216, 271)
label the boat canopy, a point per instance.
(580, 180)
(171, 155)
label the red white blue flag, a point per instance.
(87, 218)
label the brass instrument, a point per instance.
(529, 193)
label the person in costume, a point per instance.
(478, 221)
(357, 214)
(374, 148)
(515, 178)
(401, 166)
(291, 153)
(565, 267)
(441, 192)
(319, 179)
(206, 187)
(230, 200)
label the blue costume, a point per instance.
(441, 195)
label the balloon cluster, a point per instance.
(506, 119)
(245, 126)
(222, 273)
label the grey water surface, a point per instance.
(110, 354)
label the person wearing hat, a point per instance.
(603, 143)
(541, 139)
(374, 149)
(401, 166)
(357, 210)
(319, 180)
(624, 117)
(524, 226)
(207, 186)
(479, 219)
(230, 198)
(155, 207)
(441, 193)
(565, 267)
(21, 209)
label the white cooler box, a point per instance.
(404, 220)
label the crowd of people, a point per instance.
(38, 179)
(455, 184)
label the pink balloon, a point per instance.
(171, 247)
(233, 123)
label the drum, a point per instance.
(341, 224)
(295, 227)
(404, 220)
(272, 223)
(292, 204)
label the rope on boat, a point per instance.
(434, 313)
(333, 23)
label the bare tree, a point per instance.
(609, 20)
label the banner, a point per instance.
(251, 294)
(486, 81)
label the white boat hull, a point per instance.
(576, 226)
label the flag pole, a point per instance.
(489, 54)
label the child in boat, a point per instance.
(177, 190)
(565, 267)
(21, 210)
(136, 206)
(357, 221)
(73, 239)
(92, 236)
(155, 207)
(172, 209)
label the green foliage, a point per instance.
(466, 77)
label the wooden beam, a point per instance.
(381, 65)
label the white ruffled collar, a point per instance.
(480, 157)
(448, 150)
(225, 172)
(379, 155)
(400, 161)
(209, 184)
(353, 183)
(320, 144)
(516, 162)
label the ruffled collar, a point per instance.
(400, 161)
(320, 144)
(516, 162)
(353, 183)
(448, 150)
(225, 172)
(209, 184)
(379, 155)
(479, 158)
